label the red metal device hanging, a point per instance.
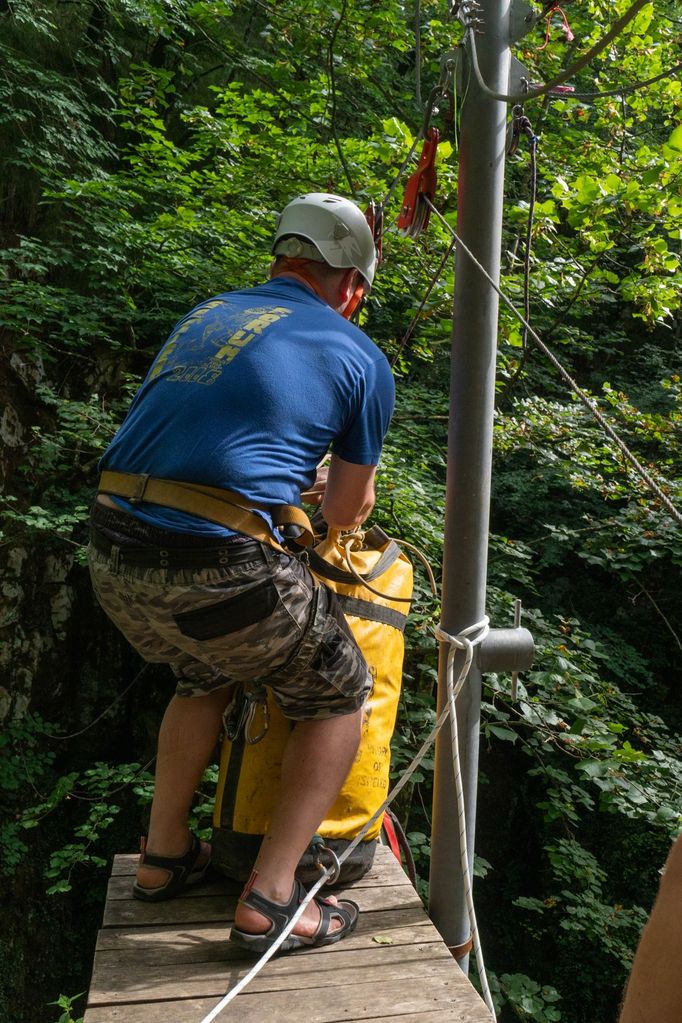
(415, 213)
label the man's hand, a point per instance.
(316, 493)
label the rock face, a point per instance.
(61, 666)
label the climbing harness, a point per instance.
(234, 511)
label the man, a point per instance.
(247, 396)
(654, 990)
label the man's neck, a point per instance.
(302, 278)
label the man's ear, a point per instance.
(347, 285)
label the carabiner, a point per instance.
(318, 849)
(255, 700)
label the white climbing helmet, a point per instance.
(335, 226)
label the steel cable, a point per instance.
(542, 90)
(575, 387)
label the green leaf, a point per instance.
(506, 734)
(675, 141)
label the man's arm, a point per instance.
(349, 494)
(654, 991)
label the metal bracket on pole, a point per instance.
(522, 19)
(519, 78)
(505, 650)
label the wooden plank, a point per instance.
(203, 908)
(448, 1014)
(385, 871)
(170, 962)
(133, 980)
(447, 991)
(401, 927)
(121, 887)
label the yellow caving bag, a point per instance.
(251, 755)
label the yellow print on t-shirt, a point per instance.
(253, 323)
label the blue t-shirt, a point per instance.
(249, 392)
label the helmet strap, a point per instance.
(297, 268)
(354, 301)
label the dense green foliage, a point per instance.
(147, 146)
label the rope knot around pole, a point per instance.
(461, 640)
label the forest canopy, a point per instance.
(147, 148)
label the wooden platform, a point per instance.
(170, 962)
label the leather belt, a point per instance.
(178, 557)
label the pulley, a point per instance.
(415, 212)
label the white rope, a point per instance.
(462, 642)
(270, 952)
(258, 966)
(482, 628)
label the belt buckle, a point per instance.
(223, 555)
(163, 558)
(140, 487)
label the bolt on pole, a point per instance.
(469, 464)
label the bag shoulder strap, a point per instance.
(320, 566)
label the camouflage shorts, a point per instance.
(263, 621)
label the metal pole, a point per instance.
(467, 505)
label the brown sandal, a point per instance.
(183, 870)
(280, 915)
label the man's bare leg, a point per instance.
(654, 991)
(318, 756)
(187, 738)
